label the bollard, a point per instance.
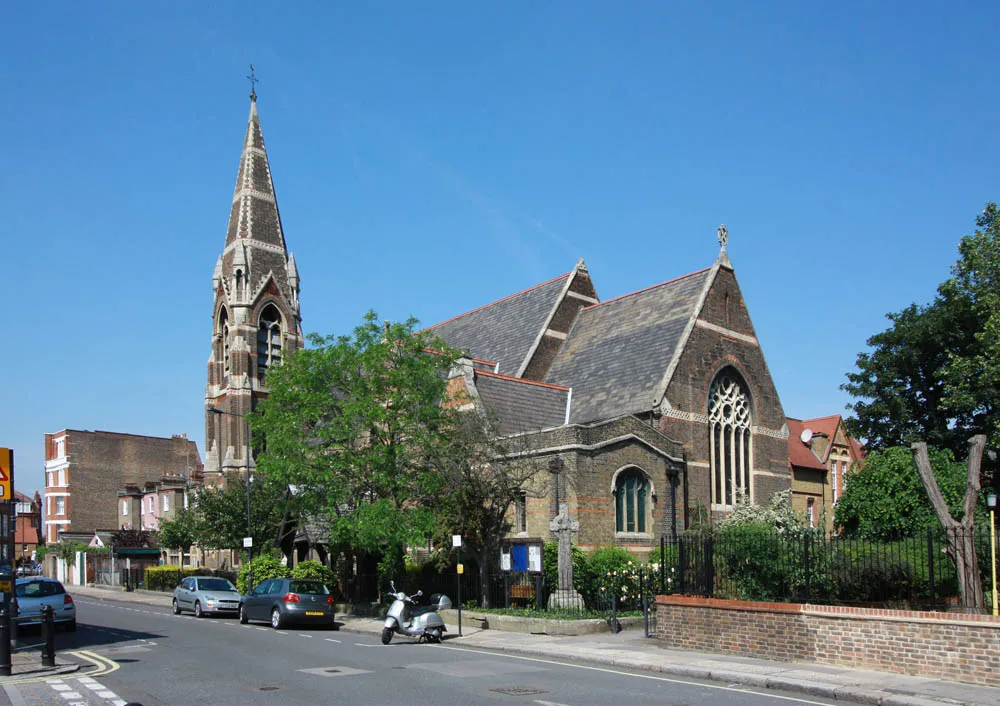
(48, 637)
(4, 642)
(12, 623)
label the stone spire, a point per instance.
(256, 319)
(254, 215)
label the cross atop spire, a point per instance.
(252, 77)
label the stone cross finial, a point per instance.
(723, 236)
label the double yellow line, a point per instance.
(104, 665)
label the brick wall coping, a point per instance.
(834, 611)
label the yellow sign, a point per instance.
(461, 568)
(6, 474)
(5, 587)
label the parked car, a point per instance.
(287, 601)
(206, 595)
(34, 592)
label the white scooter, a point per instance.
(405, 619)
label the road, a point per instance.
(153, 658)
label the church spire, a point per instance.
(254, 214)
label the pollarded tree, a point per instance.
(354, 423)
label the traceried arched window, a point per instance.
(224, 332)
(268, 340)
(729, 438)
(631, 500)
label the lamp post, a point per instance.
(248, 539)
(991, 503)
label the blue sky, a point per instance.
(433, 157)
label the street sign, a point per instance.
(247, 542)
(6, 474)
(456, 540)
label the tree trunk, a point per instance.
(482, 558)
(961, 540)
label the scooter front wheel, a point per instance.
(386, 636)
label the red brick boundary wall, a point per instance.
(955, 646)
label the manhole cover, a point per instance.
(517, 690)
(332, 671)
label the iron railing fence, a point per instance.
(915, 572)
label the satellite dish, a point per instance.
(806, 436)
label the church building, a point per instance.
(649, 411)
(255, 315)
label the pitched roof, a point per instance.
(505, 330)
(521, 405)
(800, 454)
(618, 352)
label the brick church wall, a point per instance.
(951, 646)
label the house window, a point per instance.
(631, 500)
(729, 439)
(166, 503)
(811, 511)
(62, 478)
(60, 506)
(833, 481)
(268, 340)
(521, 513)
(124, 508)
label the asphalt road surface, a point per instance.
(145, 655)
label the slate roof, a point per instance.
(505, 330)
(618, 351)
(521, 405)
(801, 455)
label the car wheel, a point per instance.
(277, 621)
(71, 626)
(176, 608)
(197, 610)
(244, 619)
(386, 636)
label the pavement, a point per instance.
(630, 649)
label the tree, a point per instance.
(221, 513)
(885, 499)
(354, 424)
(129, 538)
(959, 534)
(934, 374)
(485, 473)
(179, 532)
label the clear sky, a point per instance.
(431, 157)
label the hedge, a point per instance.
(166, 577)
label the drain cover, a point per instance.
(518, 690)
(269, 688)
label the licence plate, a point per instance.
(314, 612)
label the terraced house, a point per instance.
(647, 409)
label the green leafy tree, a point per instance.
(884, 498)
(934, 374)
(317, 572)
(179, 532)
(129, 538)
(220, 514)
(355, 424)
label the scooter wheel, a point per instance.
(386, 636)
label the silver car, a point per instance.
(34, 592)
(206, 595)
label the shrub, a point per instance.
(582, 575)
(264, 567)
(315, 571)
(166, 577)
(615, 573)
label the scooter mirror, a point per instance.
(418, 594)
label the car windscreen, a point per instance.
(308, 587)
(31, 589)
(215, 585)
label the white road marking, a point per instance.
(278, 632)
(549, 703)
(629, 674)
(107, 694)
(71, 695)
(330, 639)
(304, 635)
(61, 687)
